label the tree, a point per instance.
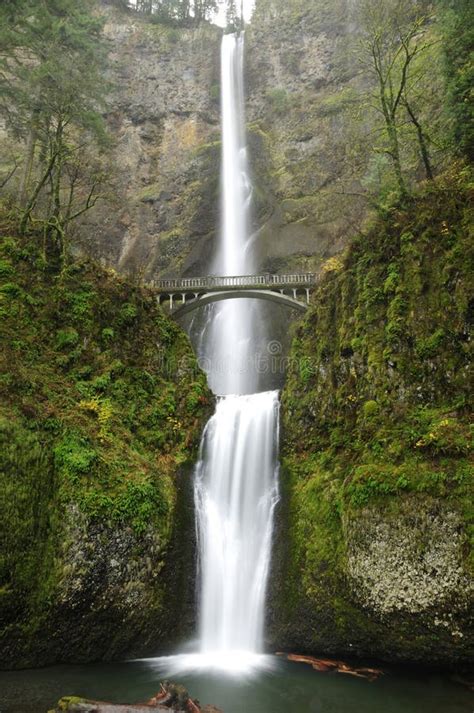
(393, 38)
(51, 96)
(178, 12)
(233, 20)
(458, 34)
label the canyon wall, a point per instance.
(161, 216)
(373, 554)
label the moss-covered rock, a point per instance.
(374, 554)
(102, 409)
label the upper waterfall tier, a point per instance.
(233, 253)
(228, 344)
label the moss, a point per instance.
(10, 289)
(67, 701)
(428, 346)
(376, 417)
(97, 419)
(337, 102)
(149, 193)
(279, 100)
(215, 92)
(6, 268)
(370, 409)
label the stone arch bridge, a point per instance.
(186, 294)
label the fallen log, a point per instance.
(81, 705)
(171, 698)
(333, 665)
(72, 704)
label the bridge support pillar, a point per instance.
(307, 295)
(171, 302)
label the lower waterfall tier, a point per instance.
(236, 492)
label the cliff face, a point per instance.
(164, 121)
(102, 410)
(373, 555)
(301, 79)
(162, 215)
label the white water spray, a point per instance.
(236, 478)
(235, 497)
(236, 486)
(227, 343)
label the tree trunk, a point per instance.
(388, 106)
(32, 202)
(30, 154)
(425, 156)
(395, 155)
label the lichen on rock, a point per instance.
(410, 561)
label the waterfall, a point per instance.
(227, 342)
(235, 497)
(236, 477)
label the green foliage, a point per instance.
(81, 302)
(139, 503)
(395, 37)
(387, 417)
(6, 269)
(458, 39)
(196, 397)
(316, 525)
(372, 481)
(279, 100)
(428, 347)
(127, 314)
(93, 434)
(370, 409)
(175, 12)
(381, 431)
(108, 333)
(73, 456)
(10, 289)
(51, 96)
(66, 338)
(305, 369)
(442, 434)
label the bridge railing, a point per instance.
(214, 282)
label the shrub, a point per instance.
(108, 333)
(6, 269)
(279, 100)
(66, 338)
(11, 289)
(370, 409)
(128, 313)
(73, 456)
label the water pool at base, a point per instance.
(285, 688)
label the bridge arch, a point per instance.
(209, 298)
